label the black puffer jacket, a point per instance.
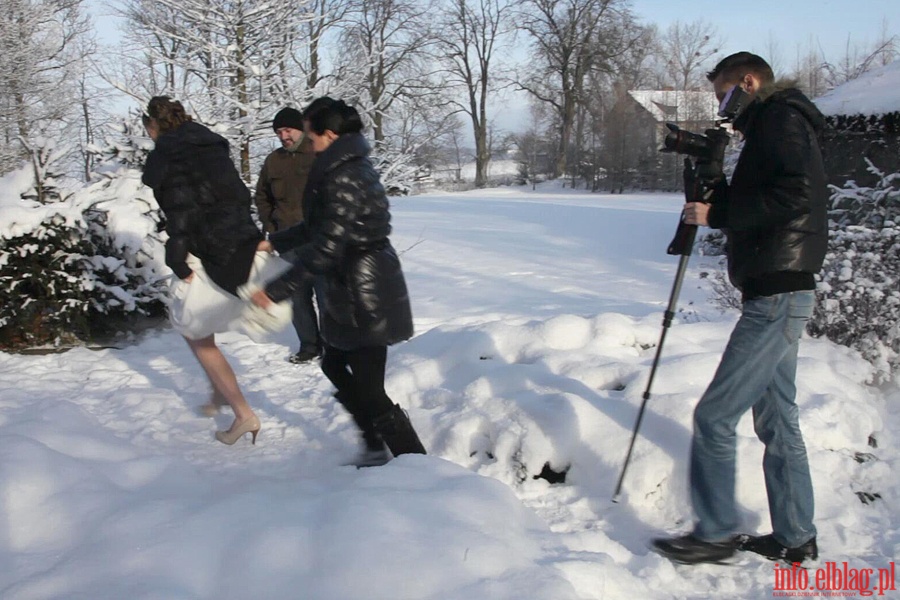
(206, 204)
(775, 208)
(345, 241)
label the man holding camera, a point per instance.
(774, 216)
(279, 195)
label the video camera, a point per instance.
(708, 149)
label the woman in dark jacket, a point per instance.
(344, 241)
(211, 247)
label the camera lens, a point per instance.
(685, 142)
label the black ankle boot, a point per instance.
(398, 433)
(371, 438)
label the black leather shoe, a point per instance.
(689, 550)
(768, 546)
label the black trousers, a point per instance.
(359, 374)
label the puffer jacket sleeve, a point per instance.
(325, 246)
(290, 238)
(783, 190)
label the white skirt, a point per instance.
(200, 308)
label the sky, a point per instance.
(790, 26)
(790, 23)
(537, 316)
(744, 25)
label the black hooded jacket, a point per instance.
(205, 202)
(774, 211)
(344, 240)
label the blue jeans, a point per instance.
(306, 323)
(304, 318)
(757, 371)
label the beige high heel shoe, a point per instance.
(250, 425)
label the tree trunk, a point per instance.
(243, 99)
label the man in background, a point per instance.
(279, 195)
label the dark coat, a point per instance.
(279, 189)
(205, 202)
(344, 240)
(775, 209)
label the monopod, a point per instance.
(698, 187)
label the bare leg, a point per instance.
(221, 376)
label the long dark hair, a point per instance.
(167, 113)
(335, 115)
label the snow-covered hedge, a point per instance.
(79, 267)
(859, 303)
(859, 293)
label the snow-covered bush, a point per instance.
(73, 269)
(859, 291)
(42, 295)
(69, 278)
(859, 299)
(710, 243)
(868, 206)
(398, 170)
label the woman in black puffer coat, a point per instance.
(344, 241)
(211, 247)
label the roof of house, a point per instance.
(874, 93)
(671, 105)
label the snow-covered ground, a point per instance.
(497, 169)
(537, 315)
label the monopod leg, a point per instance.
(667, 322)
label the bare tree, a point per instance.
(816, 74)
(39, 58)
(325, 17)
(532, 144)
(569, 39)
(227, 58)
(687, 48)
(809, 69)
(858, 60)
(772, 54)
(888, 45)
(384, 44)
(470, 32)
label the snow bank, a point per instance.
(874, 93)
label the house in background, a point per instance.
(863, 123)
(635, 131)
